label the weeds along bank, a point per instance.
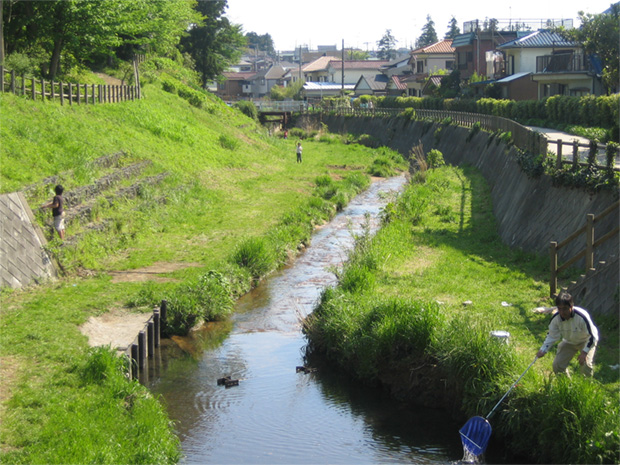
(233, 205)
(531, 211)
(414, 309)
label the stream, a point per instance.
(277, 415)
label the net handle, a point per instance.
(511, 388)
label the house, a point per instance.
(316, 71)
(235, 86)
(476, 50)
(555, 66)
(371, 84)
(353, 70)
(312, 90)
(426, 61)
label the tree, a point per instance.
(263, 43)
(453, 30)
(598, 34)
(214, 43)
(429, 36)
(387, 46)
(73, 32)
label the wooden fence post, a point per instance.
(42, 90)
(62, 93)
(52, 91)
(12, 81)
(23, 85)
(34, 90)
(575, 154)
(553, 280)
(93, 101)
(558, 160)
(589, 241)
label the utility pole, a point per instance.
(342, 91)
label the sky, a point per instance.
(362, 24)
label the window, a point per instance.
(420, 66)
(450, 64)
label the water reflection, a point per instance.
(277, 415)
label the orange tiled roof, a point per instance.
(318, 64)
(443, 46)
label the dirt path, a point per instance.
(119, 328)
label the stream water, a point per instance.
(277, 415)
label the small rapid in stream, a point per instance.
(277, 415)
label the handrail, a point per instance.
(587, 252)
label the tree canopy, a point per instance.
(429, 36)
(262, 43)
(387, 46)
(453, 29)
(70, 32)
(598, 34)
(214, 42)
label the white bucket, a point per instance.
(503, 336)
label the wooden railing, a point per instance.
(524, 138)
(590, 245)
(593, 155)
(65, 92)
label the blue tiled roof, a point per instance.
(539, 39)
(463, 39)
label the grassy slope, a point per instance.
(216, 196)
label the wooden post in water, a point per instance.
(156, 323)
(150, 329)
(163, 314)
(141, 348)
(134, 361)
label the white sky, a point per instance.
(362, 24)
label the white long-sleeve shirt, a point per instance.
(575, 330)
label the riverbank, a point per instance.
(416, 307)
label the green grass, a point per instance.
(429, 288)
(228, 182)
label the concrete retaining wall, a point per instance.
(22, 257)
(530, 213)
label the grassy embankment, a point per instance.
(228, 183)
(399, 316)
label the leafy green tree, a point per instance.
(73, 32)
(387, 46)
(263, 43)
(453, 29)
(429, 36)
(598, 35)
(214, 43)
(358, 55)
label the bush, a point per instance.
(255, 254)
(247, 108)
(228, 142)
(435, 159)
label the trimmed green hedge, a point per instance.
(587, 110)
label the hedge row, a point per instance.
(587, 110)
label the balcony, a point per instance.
(562, 63)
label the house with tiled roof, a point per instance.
(317, 70)
(548, 65)
(425, 61)
(235, 85)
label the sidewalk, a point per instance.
(553, 135)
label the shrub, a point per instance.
(254, 254)
(247, 108)
(435, 159)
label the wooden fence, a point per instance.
(588, 252)
(524, 138)
(40, 89)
